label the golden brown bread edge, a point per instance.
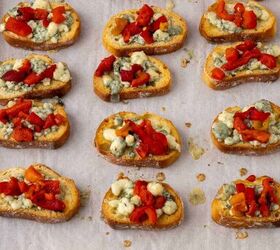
(246, 148)
(257, 36)
(25, 43)
(244, 221)
(47, 216)
(133, 93)
(164, 222)
(150, 161)
(149, 49)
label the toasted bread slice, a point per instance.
(160, 86)
(51, 140)
(165, 221)
(221, 215)
(265, 30)
(155, 48)
(67, 38)
(247, 148)
(130, 157)
(241, 76)
(71, 198)
(40, 90)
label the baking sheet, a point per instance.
(189, 101)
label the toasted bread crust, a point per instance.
(26, 43)
(150, 49)
(71, 200)
(240, 77)
(219, 216)
(256, 35)
(103, 147)
(162, 87)
(246, 148)
(163, 223)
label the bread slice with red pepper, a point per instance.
(35, 76)
(249, 203)
(33, 124)
(136, 76)
(230, 65)
(252, 130)
(145, 140)
(230, 21)
(151, 29)
(142, 205)
(41, 25)
(37, 193)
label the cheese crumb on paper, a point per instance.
(170, 5)
(195, 151)
(243, 171)
(160, 176)
(197, 197)
(201, 177)
(127, 243)
(241, 235)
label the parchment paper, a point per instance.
(189, 101)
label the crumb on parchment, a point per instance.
(127, 243)
(188, 124)
(195, 151)
(160, 176)
(197, 196)
(243, 171)
(201, 177)
(241, 235)
(170, 5)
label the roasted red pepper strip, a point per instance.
(159, 202)
(106, 65)
(22, 134)
(50, 121)
(26, 13)
(240, 188)
(249, 20)
(147, 36)
(141, 214)
(33, 118)
(130, 30)
(246, 45)
(251, 201)
(218, 74)
(32, 175)
(156, 24)
(58, 14)
(14, 76)
(18, 27)
(268, 60)
(145, 15)
(142, 78)
(24, 107)
(138, 186)
(232, 54)
(252, 134)
(251, 178)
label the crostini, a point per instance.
(253, 130)
(151, 29)
(230, 65)
(37, 193)
(229, 21)
(36, 76)
(130, 139)
(41, 25)
(141, 205)
(137, 75)
(253, 202)
(28, 123)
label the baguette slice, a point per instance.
(71, 198)
(257, 75)
(65, 41)
(121, 222)
(158, 161)
(154, 48)
(221, 216)
(52, 140)
(161, 86)
(245, 148)
(264, 31)
(39, 91)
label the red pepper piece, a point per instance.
(48, 72)
(23, 187)
(249, 20)
(141, 214)
(16, 121)
(145, 15)
(253, 114)
(251, 178)
(18, 27)
(159, 202)
(22, 134)
(159, 145)
(127, 75)
(59, 119)
(142, 150)
(218, 74)
(251, 201)
(24, 107)
(268, 60)
(46, 22)
(26, 13)
(142, 78)
(51, 186)
(264, 209)
(34, 119)
(54, 205)
(222, 12)
(147, 36)
(130, 30)
(33, 175)
(136, 67)
(106, 65)
(240, 188)
(3, 116)
(246, 45)
(14, 76)
(146, 197)
(22, 115)
(58, 14)
(156, 24)
(26, 66)
(33, 78)
(238, 19)
(239, 8)
(232, 54)
(49, 196)
(12, 187)
(50, 121)
(138, 186)
(238, 124)
(40, 14)
(251, 135)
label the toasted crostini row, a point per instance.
(146, 140)
(41, 25)
(138, 75)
